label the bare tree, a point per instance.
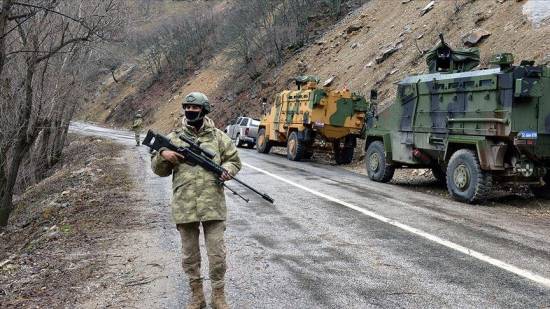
(41, 41)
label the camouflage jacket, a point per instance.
(138, 124)
(197, 195)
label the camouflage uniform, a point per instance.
(198, 198)
(137, 126)
(176, 121)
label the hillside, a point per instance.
(373, 46)
(222, 48)
(398, 27)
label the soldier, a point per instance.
(198, 197)
(176, 121)
(137, 126)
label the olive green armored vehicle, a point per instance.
(474, 128)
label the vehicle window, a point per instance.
(244, 122)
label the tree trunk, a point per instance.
(61, 130)
(4, 15)
(6, 194)
(56, 143)
(4, 212)
(337, 4)
(40, 155)
(22, 144)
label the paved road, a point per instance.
(334, 239)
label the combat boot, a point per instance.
(197, 297)
(218, 299)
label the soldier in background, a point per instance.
(137, 125)
(198, 197)
(176, 121)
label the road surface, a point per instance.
(335, 239)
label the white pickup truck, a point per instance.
(243, 130)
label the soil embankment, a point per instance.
(89, 235)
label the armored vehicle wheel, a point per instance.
(544, 191)
(263, 144)
(295, 149)
(439, 174)
(466, 181)
(377, 167)
(238, 141)
(343, 155)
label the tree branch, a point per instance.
(48, 10)
(14, 17)
(61, 46)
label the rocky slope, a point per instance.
(374, 46)
(382, 42)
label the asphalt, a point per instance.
(306, 251)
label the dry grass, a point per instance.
(50, 249)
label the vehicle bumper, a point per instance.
(248, 139)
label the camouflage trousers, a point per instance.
(215, 247)
(137, 137)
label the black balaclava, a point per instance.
(195, 119)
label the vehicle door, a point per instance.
(228, 127)
(242, 126)
(233, 129)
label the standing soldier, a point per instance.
(198, 197)
(176, 122)
(137, 126)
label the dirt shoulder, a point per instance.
(53, 253)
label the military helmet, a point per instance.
(197, 98)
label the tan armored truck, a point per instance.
(313, 118)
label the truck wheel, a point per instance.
(544, 191)
(238, 141)
(439, 174)
(250, 145)
(377, 167)
(466, 181)
(295, 149)
(263, 144)
(343, 155)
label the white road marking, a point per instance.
(449, 244)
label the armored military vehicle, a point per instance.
(473, 128)
(313, 117)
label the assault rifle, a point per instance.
(195, 155)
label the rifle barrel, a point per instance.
(263, 195)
